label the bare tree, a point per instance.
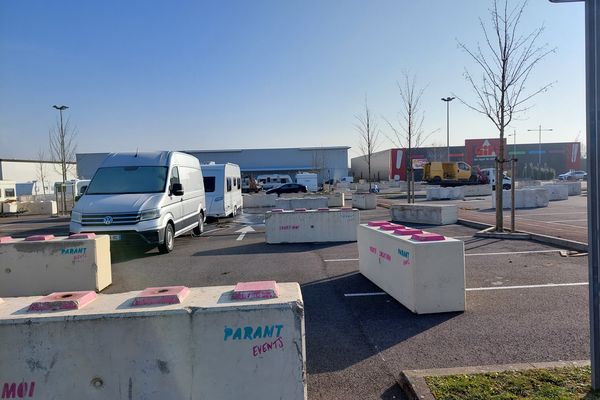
(41, 169)
(62, 150)
(368, 133)
(409, 133)
(506, 60)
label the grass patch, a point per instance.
(536, 384)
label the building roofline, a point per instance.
(34, 161)
(269, 148)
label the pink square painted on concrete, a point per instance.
(90, 235)
(407, 231)
(300, 209)
(427, 237)
(38, 238)
(59, 301)
(255, 290)
(390, 227)
(378, 223)
(161, 295)
(323, 209)
(5, 239)
(277, 210)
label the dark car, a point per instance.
(288, 188)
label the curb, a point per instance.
(414, 386)
(537, 237)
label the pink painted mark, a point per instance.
(5, 239)
(390, 227)
(255, 290)
(161, 295)
(427, 237)
(39, 238)
(347, 208)
(90, 235)
(378, 223)
(59, 301)
(323, 209)
(277, 210)
(407, 231)
(300, 209)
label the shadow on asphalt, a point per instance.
(56, 230)
(343, 331)
(477, 242)
(264, 248)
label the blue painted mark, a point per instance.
(251, 332)
(73, 250)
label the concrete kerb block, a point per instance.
(531, 197)
(43, 264)
(557, 191)
(208, 347)
(574, 188)
(445, 193)
(431, 214)
(477, 190)
(364, 201)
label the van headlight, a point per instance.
(76, 217)
(149, 214)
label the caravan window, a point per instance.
(209, 184)
(229, 184)
(234, 182)
(283, 180)
(239, 180)
(9, 192)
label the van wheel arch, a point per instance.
(168, 242)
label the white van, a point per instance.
(308, 179)
(143, 197)
(273, 180)
(491, 175)
(223, 188)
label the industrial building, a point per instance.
(330, 163)
(29, 174)
(391, 164)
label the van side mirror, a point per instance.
(177, 189)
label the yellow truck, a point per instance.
(450, 173)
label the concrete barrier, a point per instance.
(39, 207)
(10, 208)
(477, 190)
(259, 200)
(557, 191)
(425, 272)
(445, 193)
(48, 264)
(310, 203)
(432, 214)
(325, 225)
(201, 346)
(364, 201)
(527, 184)
(574, 187)
(532, 197)
(336, 200)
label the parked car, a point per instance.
(573, 176)
(288, 188)
(490, 174)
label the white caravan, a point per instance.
(223, 188)
(308, 179)
(8, 191)
(273, 180)
(148, 198)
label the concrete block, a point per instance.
(9, 208)
(41, 267)
(207, 347)
(259, 200)
(527, 184)
(445, 193)
(574, 187)
(364, 201)
(557, 191)
(432, 214)
(425, 276)
(336, 200)
(311, 226)
(531, 197)
(48, 207)
(477, 190)
(310, 203)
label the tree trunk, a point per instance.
(499, 185)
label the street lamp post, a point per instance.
(448, 100)
(539, 130)
(63, 156)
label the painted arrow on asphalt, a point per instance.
(243, 232)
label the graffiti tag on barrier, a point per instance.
(20, 390)
(254, 333)
(405, 255)
(289, 227)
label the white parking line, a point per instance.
(364, 294)
(546, 285)
(505, 253)
(341, 259)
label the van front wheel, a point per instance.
(200, 228)
(168, 240)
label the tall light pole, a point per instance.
(539, 130)
(63, 156)
(448, 100)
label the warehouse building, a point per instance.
(391, 164)
(29, 175)
(330, 163)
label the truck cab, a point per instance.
(437, 172)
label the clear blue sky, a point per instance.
(249, 74)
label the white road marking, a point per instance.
(545, 285)
(567, 220)
(506, 253)
(214, 230)
(364, 294)
(243, 232)
(341, 259)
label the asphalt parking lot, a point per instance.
(526, 301)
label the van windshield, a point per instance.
(125, 180)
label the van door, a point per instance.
(174, 204)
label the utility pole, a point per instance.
(63, 156)
(447, 100)
(539, 130)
